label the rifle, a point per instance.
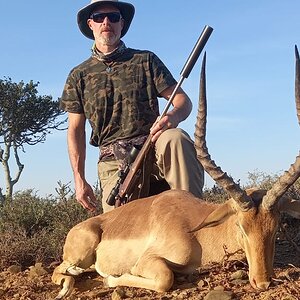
(128, 177)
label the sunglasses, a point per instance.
(99, 17)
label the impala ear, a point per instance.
(256, 194)
(289, 206)
(218, 216)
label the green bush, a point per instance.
(215, 194)
(261, 180)
(28, 212)
(33, 229)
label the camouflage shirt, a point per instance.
(119, 99)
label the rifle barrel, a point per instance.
(186, 70)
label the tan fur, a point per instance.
(142, 243)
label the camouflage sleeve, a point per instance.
(162, 77)
(71, 100)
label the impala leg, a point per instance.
(150, 273)
(60, 277)
(63, 276)
(79, 255)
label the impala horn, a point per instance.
(290, 176)
(221, 178)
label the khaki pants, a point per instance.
(176, 162)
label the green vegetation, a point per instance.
(33, 229)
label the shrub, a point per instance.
(261, 180)
(33, 229)
(215, 194)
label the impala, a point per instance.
(142, 244)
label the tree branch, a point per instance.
(20, 166)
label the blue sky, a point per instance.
(252, 122)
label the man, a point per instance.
(116, 90)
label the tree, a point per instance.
(25, 118)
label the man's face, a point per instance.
(106, 28)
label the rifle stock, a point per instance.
(127, 185)
(130, 180)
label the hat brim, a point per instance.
(126, 9)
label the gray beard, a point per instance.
(110, 41)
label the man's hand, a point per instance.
(182, 107)
(167, 122)
(85, 195)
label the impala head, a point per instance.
(256, 212)
(257, 228)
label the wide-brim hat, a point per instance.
(126, 10)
